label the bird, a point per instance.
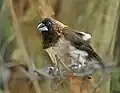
(68, 44)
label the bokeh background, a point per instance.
(100, 18)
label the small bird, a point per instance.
(68, 44)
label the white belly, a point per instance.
(66, 52)
(78, 55)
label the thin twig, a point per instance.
(66, 67)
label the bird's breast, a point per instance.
(60, 49)
(66, 52)
(77, 55)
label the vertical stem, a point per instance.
(21, 44)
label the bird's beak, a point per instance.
(41, 27)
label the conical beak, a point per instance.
(41, 27)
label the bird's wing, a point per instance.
(77, 40)
(89, 50)
(85, 36)
(74, 34)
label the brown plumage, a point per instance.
(64, 41)
(56, 30)
(70, 46)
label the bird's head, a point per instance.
(45, 25)
(51, 31)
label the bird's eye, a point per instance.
(49, 23)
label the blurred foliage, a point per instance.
(1, 3)
(98, 17)
(5, 31)
(115, 82)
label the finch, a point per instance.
(68, 44)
